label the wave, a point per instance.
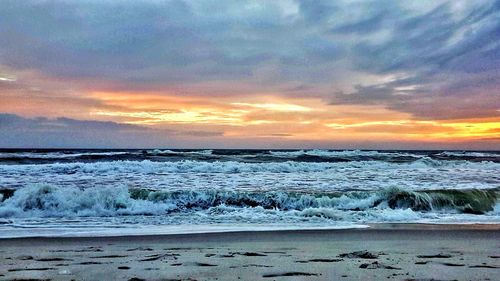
(333, 153)
(66, 157)
(50, 201)
(229, 167)
(469, 154)
(250, 156)
(179, 152)
(185, 166)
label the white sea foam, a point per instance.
(49, 201)
(339, 153)
(469, 154)
(278, 154)
(102, 209)
(232, 175)
(191, 166)
(58, 155)
(97, 194)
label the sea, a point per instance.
(80, 192)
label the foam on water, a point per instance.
(162, 155)
(334, 153)
(290, 175)
(153, 189)
(50, 201)
(58, 155)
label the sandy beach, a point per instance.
(390, 252)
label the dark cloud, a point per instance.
(320, 45)
(368, 25)
(434, 41)
(461, 97)
(65, 132)
(15, 122)
(147, 41)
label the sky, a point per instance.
(250, 74)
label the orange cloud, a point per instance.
(258, 115)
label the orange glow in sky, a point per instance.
(252, 116)
(290, 118)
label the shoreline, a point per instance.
(216, 231)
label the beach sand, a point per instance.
(382, 252)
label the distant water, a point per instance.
(98, 192)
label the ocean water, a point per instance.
(113, 192)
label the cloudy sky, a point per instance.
(277, 74)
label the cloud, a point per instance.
(66, 132)
(340, 51)
(147, 42)
(441, 97)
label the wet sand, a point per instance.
(389, 252)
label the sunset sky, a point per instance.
(250, 74)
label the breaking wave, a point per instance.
(50, 201)
(67, 189)
(240, 155)
(191, 166)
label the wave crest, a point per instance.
(49, 201)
